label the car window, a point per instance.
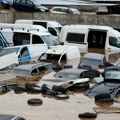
(24, 52)
(112, 74)
(114, 42)
(90, 62)
(51, 40)
(75, 38)
(37, 39)
(8, 51)
(52, 31)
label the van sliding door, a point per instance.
(96, 39)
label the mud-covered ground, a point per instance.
(51, 108)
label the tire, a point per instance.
(102, 96)
(44, 88)
(62, 97)
(35, 101)
(19, 89)
(95, 71)
(58, 89)
(87, 115)
(51, 92)
(33, 88)
(104, 102)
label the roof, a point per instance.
(76, 71)
(113, 68)
(25, 20)
(58, 50)
(78, 26)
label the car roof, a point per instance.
(33, 65)
(113, 68)
(26, 69)
(72, 70)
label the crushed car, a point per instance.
(110, 83)
(95, 60)
(59, 53)
(32, 68)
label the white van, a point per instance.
(90, 36)
(14, 35)
(52, 26)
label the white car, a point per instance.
(65, 10)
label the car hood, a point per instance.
(105, 87)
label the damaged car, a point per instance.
(109, 85)
(95, 60)
(32, 68)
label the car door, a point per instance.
(24, 54)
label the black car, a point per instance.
(110, 84)
(10, 117)
(24, 5)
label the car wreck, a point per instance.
(59, 53)
(32, 68)
(95, 60)
(109, 85)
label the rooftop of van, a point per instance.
(88, 27)
(6, 26)
(33, 31)
(55, 23)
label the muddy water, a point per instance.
(52, 109)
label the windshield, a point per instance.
(51, 40)
(90, 62)
(112, 74)
(21, 72)
(58, 29)
(8, 51)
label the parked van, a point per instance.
(90, 36)
(52, 26)
(21, 34)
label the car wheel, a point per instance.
(102, 96)
(62, 97)
(58, 89)
(104, 102)
(33, 88)
(88, 115)
(19, 89)
(44, 88)
(51, 92)
(35, 101)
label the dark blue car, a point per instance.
(24, 5)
